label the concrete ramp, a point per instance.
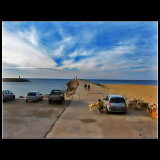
(78, 122)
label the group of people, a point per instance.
(99, 103)
(87, 87)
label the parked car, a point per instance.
(34, 96)
(115, 103)
(7, 95)
(56, 95)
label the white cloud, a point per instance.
(103, 61)
(67, 63)
(74, 54)
(58, 52)
(84, 53)
(30, 36)
(66, 43)
(17, 52)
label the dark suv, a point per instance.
(56, 95)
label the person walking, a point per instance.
(100, 105)
(85, 86)
(88, 87)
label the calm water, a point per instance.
(42, 85)
(46, 85)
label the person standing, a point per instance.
(88, 87)
(85, 86)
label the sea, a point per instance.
(46, 85)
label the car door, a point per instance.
(40, 95)
(9, 95)
(5, 94)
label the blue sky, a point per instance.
(98, 50)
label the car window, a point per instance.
(9, 92)
(31, 94)
(117, 100)
(4, 92)
(56, 92)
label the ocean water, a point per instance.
(46, 85)
(42, 85)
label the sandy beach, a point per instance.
(148, 93)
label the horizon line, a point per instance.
(88, 78)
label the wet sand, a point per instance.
(148, 93)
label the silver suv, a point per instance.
(34, 96)
(7, 95)
(115, 103)
(56, 95)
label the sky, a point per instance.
(86, 49)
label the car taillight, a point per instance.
(26, 97)
(3, 95)
(109, 103)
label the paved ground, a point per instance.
(40, 120)
(30, 120)
(78, 122)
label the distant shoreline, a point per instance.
(15, 80)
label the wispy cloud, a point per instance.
(16, 51)
(84, 47)
(29, 35)
(58, 52)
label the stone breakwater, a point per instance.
(72, 86)
(15, 80)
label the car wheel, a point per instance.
(4, 99)
(49, 102)
(41, 99)
(60, 101)
(26, 101)
(125, 112)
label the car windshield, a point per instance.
(56, 92)
(31, 94)
(117, 100)
(4, 92)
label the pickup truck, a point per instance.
(56, 95)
